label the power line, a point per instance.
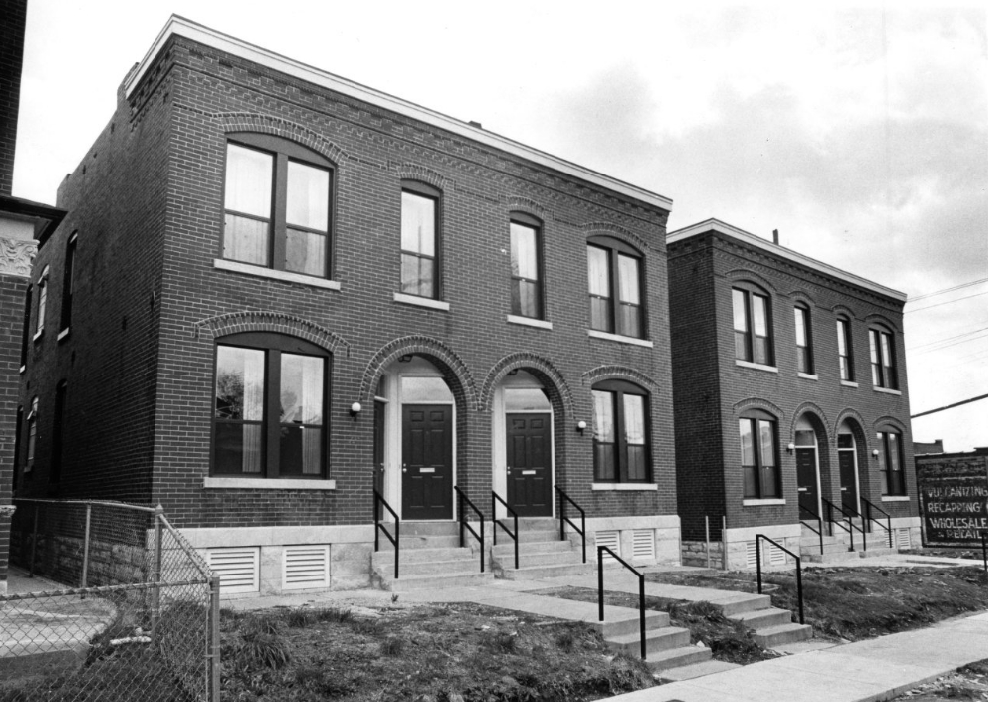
(949, 338)
(948, 302)
(946, 407)
(947, 290)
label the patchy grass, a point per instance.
(968, 683)
(727, 639)
(972, 553)
(861, 603)
(428, 653)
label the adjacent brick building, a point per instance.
(278, 289)
(790, 391)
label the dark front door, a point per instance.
(427, 462)
(848, 484)
(530, 464)
(806, 482)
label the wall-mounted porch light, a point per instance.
(581, 426)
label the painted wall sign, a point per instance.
(953, 499)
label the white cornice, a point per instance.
(179, 26)
(715, 225)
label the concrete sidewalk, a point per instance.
(865, 671)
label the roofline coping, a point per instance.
(179, 26)
(716, 225)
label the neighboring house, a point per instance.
(278, 290)
(790, 392)
(925, 447)
(21, 223)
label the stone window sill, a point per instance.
(640, 487)
(849, 383)
(890, 391)
(529, 322)
(270, 273)
(62, 334)
(763, 503)
(421, 302)
(809, 376)
(630, 340)
(895, 498)
(756, 366)
(267, 484)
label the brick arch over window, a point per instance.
(266, 124)
(276, 322)
(802, 296)
(604, 372)
(411, 171)
(536, 365)
(616, 231)
(881, 320)
(890, 421)
(454, 370)
(758, 403)
(844, 310)
(747, 275)
(849, 413)
(526, 204)
(821, 419)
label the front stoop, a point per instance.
(772, 626)
(665, 646)
(541, 553)
(429, 558)
(836, 548)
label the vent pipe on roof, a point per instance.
(775, 237)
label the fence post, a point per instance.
(156, 572)
(213, 640)
(85, 546)
(707, 520)
(34, 540)
(723, 542)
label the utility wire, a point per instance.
(949, 338)
(947, 290)
(946, 407)
(948, 302)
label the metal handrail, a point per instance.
(464, 523)
(851, 526)
(868, 518)
(495, 498)
(582, 529)
(379, 500)
(641, 592)
(799, 569)
(819, 531)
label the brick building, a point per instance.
(278, 290)
(21, 222)
(790, 392)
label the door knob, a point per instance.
(404, 470)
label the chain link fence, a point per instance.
(124, 608)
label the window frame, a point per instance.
(804, 361)
(615, 248)
(26, 330)
(526, 220)
(755, 416)
(42, 310)
(845, 361)
(273, 344)
(32, 435)
(282, 151)
(424, 190)
(884, 371)
(885, 469)
(749, 294)
(618, 388)
(68, 282)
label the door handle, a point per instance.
(404, 469)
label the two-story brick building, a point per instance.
(791, 400)
(278, 290)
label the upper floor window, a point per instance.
(759, 459)
(891, 462)
(620, 432)
(804, 340)
(883, 374)
(844, 349)
(26, 330)
(42, 303)
(526, 267)
(32, 433)
(270, 407)
(752, 327)
(614, 270)
(277, 205)
(58, 433)
(68, 281)
(420, 240)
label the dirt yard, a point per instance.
(968, 683)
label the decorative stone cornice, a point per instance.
(17, 257)
(7, 510)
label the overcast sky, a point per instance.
(859, 131)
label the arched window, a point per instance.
(759, 457)
(845, 348)
(526, 266)
(620, 432)
(804, 339)
(615, 274)
(277, 205)
(883, 372)
(891, 462)
(752, 326)
(420, 240)
(271, 395)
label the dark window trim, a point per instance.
(39, 322)
(613, 247)
(32, 434)
(808, 361)
(885, 466)
(283, 151)
(68, 281)
(57, 433)
(754, 416)
(18, 437)
(750, 292)
(26, 331)
(844, 327)
(417, 187)
(883, 376)
(267, 342)
(527, 220)
(619, 388)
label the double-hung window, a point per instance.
(614, 270)
(526, 267)
(68, 281)
(32, 434)
(277, 205)
(42, 303)
(804, 340)
(270, 407)
(883, 374)
(26, 330)
(759, 460)
(420, 240)
(890, 462)
(752, 327)
(620, 432)
(845, 351)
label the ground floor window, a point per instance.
(620, 437)
(270, 407)
(759, 457)
(890, 462)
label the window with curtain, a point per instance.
(882, 348)
(845, 349)
(804, 340)
(752, 327)
(759, 459)
(615, 276)
(526, 267)
(420, 240)
(891, 462)
(620, 432)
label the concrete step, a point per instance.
(538, 524)
(407, 583)
(745, 602)
(877, 552)
(412, 542)
(675, 657)
(449, 528)
(782, 634)
(533, 560)
(763, 618)
(423, 555)
(627, 624)
(507, 550)
(655, 640)
(834, 557)
(550, 571)
(691, 671)
(455, 567)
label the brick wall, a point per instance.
(14, 14)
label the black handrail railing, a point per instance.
(495, 498)
(868, 518)
(799, 569)
(819, 521)
(378, 500)
(582, 529)
(851, 526)
(641, 591)
(461, 515)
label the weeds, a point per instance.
(500, 641)
(333, 614)
(299, 617)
